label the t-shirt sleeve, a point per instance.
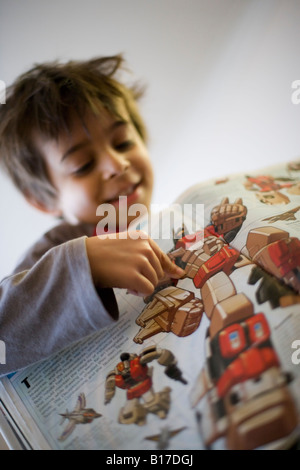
(50, 304)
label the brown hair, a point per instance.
(43, 99)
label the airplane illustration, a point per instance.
(80, 415)
(164, 437)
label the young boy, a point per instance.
(71, 139)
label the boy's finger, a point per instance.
(143, 287)
(171, 268)
(168, 266)
(151, 274)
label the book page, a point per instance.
(208, 362)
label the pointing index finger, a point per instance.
(168, 266)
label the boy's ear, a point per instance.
(43, 207)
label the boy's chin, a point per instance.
(72, 220)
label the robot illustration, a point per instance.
(176, 310)
(270, 290)
(170, 309)
(133, 375)
(227, 219)
(80, 415)
(288, 215)
(272, 197)
(295, 189)
(241, 393)
(277, 253)
(269, 187)
(266, 183)
(163, 438)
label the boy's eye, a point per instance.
(84, 168)
(125, 145)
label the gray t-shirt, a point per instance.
(50, 300)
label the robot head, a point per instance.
(125, 356)
(124, 366)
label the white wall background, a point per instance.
(218, 75)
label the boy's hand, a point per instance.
(135, 264)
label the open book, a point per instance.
(210, 361)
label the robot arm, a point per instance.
(110, 387)
(165, 358)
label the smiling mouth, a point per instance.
(130, 191)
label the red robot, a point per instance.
(133, 375)
(241, 393)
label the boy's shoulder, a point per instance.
(64, 231)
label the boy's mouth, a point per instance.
(132, 193)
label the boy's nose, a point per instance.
(113, 165)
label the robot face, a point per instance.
(124, 366)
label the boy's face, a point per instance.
(96, 164)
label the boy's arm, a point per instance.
(51, 300)
(46, 306)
